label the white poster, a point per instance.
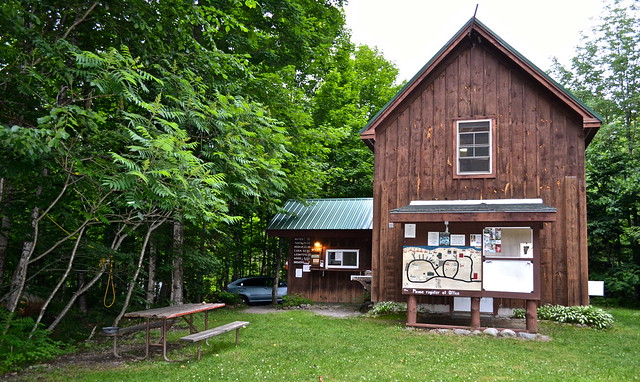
(306, 268)
(410, 231)
(299, 272)
(476, 240)
(433, 239)
(458, 240)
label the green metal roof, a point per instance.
(325, 214)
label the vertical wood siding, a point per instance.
(332, 285)
(540, 154)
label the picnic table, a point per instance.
(167, 316)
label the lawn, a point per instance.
(303, 346)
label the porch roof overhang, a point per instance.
(500, 210)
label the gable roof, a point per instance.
(325, 214)
(591, 120)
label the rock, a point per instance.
(543, 338)
(476, 332)
(527, 336)
(462, 332)
(491, 332)
(444, 331)
(508, 333)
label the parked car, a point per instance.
(256, 289)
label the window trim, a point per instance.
(357, 251)
(492, 149)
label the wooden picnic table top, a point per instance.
(174, 310)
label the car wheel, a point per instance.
(245, 299)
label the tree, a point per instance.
(360, 84)
(606, 74)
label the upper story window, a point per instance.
(474, 147)
(343, 258)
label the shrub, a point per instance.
(388, 307)
(226, 297)
(294, 300)
(19, 346)
(583, 315)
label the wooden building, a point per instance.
(479, 124)
(329, 257)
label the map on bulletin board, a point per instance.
(451, 268)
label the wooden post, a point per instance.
(412, 310)
(475, 312)
(532, 316)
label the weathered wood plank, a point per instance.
(427, 177)
(572, 236)
(203, 335)
(415, 148)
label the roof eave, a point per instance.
(591, 120)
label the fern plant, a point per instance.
(20, 346)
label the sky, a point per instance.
(410, 32)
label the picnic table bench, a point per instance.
(115, 332)
(206, 334)
(164, 318)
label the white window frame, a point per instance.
(491, 148)
(339, 255)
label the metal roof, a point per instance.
(473, 210)
(325, 214)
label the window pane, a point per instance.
(465, 152)
(482, 139)
(466, 139)
(482, 151)
(332, 259)
(474, 165)
(350, 258)
(473, 126)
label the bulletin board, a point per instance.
(447, 268)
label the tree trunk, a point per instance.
(28, 247)
(4, 244)
(177, 273)
(63, 279)
(82, 299)
(276, 279)
(20, 273)
(79, 292)
(5, 224)
(115, 245)
(132, 283)
(151, 277)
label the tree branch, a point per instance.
(79, 21)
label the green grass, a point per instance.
(301, 346)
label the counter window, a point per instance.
(343, 258)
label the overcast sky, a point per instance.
(411, 32)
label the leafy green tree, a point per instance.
(606, 74)
(360, 84)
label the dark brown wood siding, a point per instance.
(539, 154)
(332, 285)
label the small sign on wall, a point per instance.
(410, 231)
(458, 240)
(433, 239)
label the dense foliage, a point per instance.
(145, 145)
(588, 315)
(605, 73)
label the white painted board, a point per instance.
(508, 276)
